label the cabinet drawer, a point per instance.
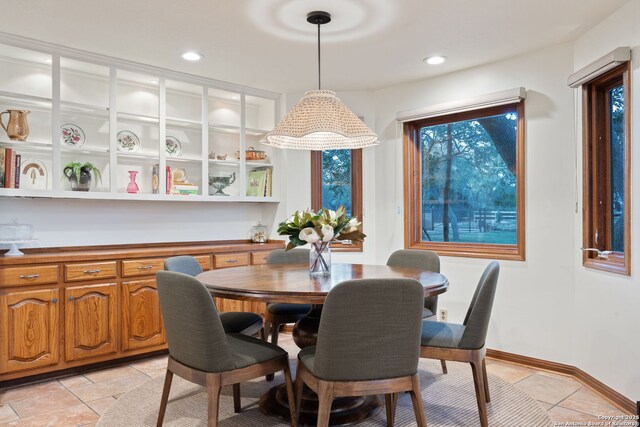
(231, 260)
(204, 261)
(92, 271)
(259, 257)
(38, 275)
(142, 267)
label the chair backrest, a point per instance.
(479, 313)
(194, 331)
(294, 256)
(370, 329)
(185, 264)
(424, 260)
(413, 258)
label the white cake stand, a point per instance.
(14, 251)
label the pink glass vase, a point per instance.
(132, 188)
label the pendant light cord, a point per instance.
(319, 81)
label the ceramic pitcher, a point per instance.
(18, 127)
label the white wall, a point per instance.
(606, 305)
(99, 222)
(533, 312)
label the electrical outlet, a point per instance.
(443, 315)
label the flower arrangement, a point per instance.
(320, 229)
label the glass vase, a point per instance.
(132, 188)
(320, 259)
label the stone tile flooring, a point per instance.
(79, 400)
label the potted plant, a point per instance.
(79, 175)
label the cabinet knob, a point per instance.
(232, 260)
(29, 276)
(91, 271)
(145, 267)
(71, 298)
(55, 300)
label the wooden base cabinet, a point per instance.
(141, 319)
(63, 308)
(29, 329)
(90, 321)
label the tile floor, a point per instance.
(79, 400)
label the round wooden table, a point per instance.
(292, 283)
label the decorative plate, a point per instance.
(173, 146)
(128, 141)
(72, 135)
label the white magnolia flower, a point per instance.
(327, 233)
(352, 225)
(309, 235)
(332, 215)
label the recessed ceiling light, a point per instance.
(235, 97)
(435, 60)
(191, 56)
(153, 82)
(48, 61)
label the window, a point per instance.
(336, 180)
(606, 207)
(464, 183)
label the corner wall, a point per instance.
(606, 305)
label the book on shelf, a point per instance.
(169, 182)
(259, 184)
(9, 168)
(3, 168)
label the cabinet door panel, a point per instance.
(90, 321)
(29, 323)
(141, 319)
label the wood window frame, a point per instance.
(595, 158)
(413, 192)
(356, 193)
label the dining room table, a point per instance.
(292, 283)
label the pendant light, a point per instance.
(320, 121)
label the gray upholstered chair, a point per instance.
(233, 322)
(280, 313)
(424, 260)
(466, 342)
(360, 351)
(201, 352)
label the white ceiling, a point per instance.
(268, 43)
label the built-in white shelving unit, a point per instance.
(196, 127)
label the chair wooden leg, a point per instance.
(299, 387)
(290, 396)
(213, 396)
(263, 335)
(325, 398)
(236, 398)
(416, 399)
(476, 368)
(485, 381)
(165, 397)
(444, 367)
(275, 329)
(390, 402)
(267, 327)
(274, 326)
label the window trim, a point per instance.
(592, 103)
(413, 193)
(356, 193)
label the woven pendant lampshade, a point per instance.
(320, 121)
